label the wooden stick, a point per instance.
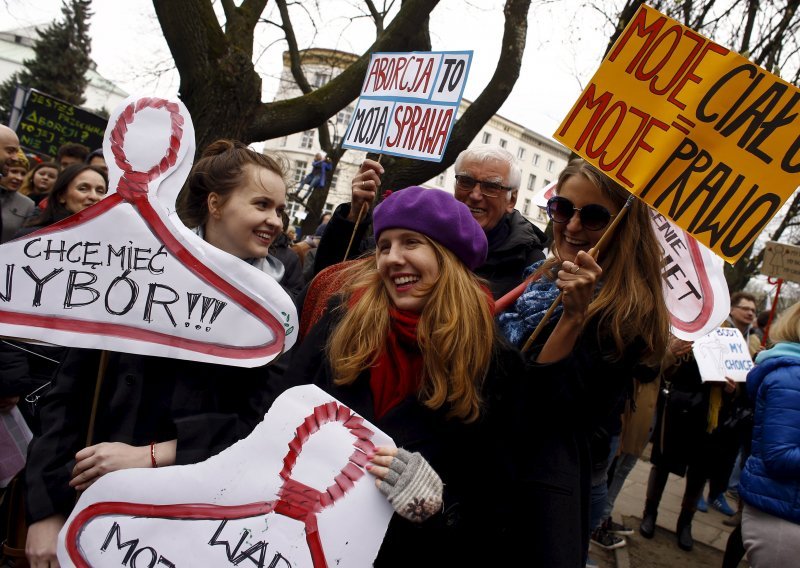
(361, 213)
(594, 252)
(101, 371)
(363, 210)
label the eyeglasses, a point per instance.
(593, 217)
(488, 188)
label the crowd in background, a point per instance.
(516, 438)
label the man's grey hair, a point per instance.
(486, 152)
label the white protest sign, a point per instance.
(723, 353)
(294, 493)
(695, 289)
(127, 275)
(408, 103)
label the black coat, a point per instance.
(28, 369)
(473, 460)
(143, 399)
(561, 408)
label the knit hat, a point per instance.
(437, 215)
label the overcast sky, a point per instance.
(560, 57)
(566, 39)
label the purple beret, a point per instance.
(437, 215)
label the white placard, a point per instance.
(127, 275)
(723, 353)
(695, 289)
(408, 103)
(292, 494)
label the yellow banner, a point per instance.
(700, 133)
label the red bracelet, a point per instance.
(153, 454)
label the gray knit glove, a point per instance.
(412, 487)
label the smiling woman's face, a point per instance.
(571, 237)
(408, 267)
(86, 189)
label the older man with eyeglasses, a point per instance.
(487, 180)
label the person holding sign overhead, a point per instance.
(487, 180)
(612, 317)
(157, 411)
(410, 345)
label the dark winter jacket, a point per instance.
(472, 459)
(520, 244)
(205, 407)
(292, 280)
(28, 369)
(771, 477)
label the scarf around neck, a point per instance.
(522, 318)
(397, 372)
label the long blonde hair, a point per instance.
(787, 327)
(456, 333)
(630, 302)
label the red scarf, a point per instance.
(397, 373)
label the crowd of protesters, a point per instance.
(515, 425)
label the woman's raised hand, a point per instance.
(577, 282)
(365, 185)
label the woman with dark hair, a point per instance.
(77, 187)
(612, 317)
(157, 411)
(39, 181)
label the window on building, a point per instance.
(541, 216)
(546, 183)
(308, 139)
(550, 165)
(334, 179)
(531, 181)
(487, 138)
(526, 208)
(536, 159)
(292, 208)
(329, 207)
(520, 153)
(440, 180)
(320, 79)
(282, 141)
(344, 115)
(299, 171)
(503, 142)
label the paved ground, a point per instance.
(709, 533)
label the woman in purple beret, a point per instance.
(410, 344)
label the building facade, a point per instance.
(17, 45)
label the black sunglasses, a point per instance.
(593, 217)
